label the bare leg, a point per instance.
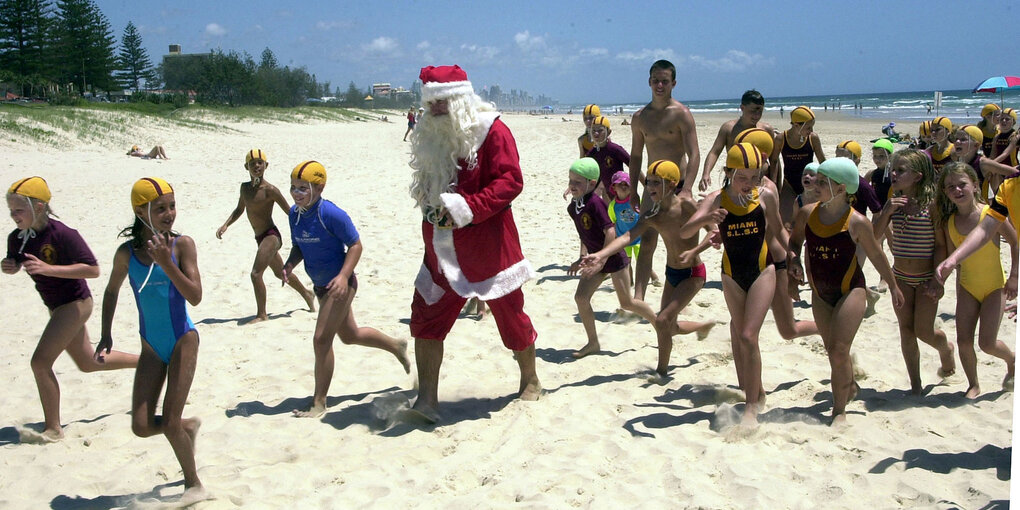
(782, 311)
(908, 339)
(643, 267)
(967, 310)
(627, 302)
(351, 334)
(331, 313)
(838, 326)
(268, 249)
(428, 357)
(276, 265)
(924, 326)
(991, 318)
(83, 352)
(747, 312)
(66, 324)
(531, 388)
(586, 287)
(674, 300)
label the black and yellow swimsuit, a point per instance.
(745, 252)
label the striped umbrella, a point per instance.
(998, 84)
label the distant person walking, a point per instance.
(411, 121)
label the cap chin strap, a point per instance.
(579, 202)
(29, 232)
(832, 195)
(154, 231)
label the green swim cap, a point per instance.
(587, 168)
(811, 167)
(842, 171)
(884, 143)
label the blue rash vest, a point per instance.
(323, 233)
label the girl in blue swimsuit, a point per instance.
(163, 272)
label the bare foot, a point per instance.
(316, 411)
(1007, 383)
(27, 435)
(702, 332)
(309, 299)
(749, 420)
(948, 361)
(402, 356)
(838, 421)
(422, 412)
(193, 495)
(872, 297)
(973, 392)
(589, 348)
(255, 319)
(660, 377)
(531, 389)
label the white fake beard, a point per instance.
(438, 144)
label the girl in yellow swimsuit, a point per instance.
(980, 284)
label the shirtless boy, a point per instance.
(752, 105)
(685, 273)
(257, 198)
(666, 127)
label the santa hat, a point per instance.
(443, 82)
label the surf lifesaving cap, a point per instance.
(1011, 112)
(989, 108)
(852, 146)
(925, 129)
(31, 187)
(587, 168)
(944, 122)
(592, 110)
(311, 171)
(621, 176)
(744, 156)
(884, 143)
(665, 169)
(811, 167)
(600, 121)
(757, 137)
(255, 154)
(148, 189)
(842, 171)
(974, 132)
(802, 114)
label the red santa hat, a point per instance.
(443, 82)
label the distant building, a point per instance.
(381, 89)
(180, 69)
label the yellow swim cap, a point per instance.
(148, 189)
(744, 155)
(852, 146)
(925, 129)
(255, 154)
(757, 137)
(592, 110)
(802, 114)
(1011, 112)
(666, 170)
(600, 121)
(989, 108)
(31, 187)
(311, 171)
(944, 122)
(973, 132)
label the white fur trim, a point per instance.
(458, 208)
(485, 121)
(435, 90)
(503, 283)
(428, 289)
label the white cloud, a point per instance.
(331, 25)
(483, 53)
(527, 42)
(424, 45)
(594, 52)
(214, 29)
(647, 55)
(381, 45)
(733, 61)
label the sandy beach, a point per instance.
(603, 436)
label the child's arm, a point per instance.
(933, 288)
(338, 285)
(713, 156)
(982, 233)
(234, 215)
(708, 213)
(775, 161)
(778, 230)
(76, 271)
(1003, 156)
(121, 260)
(816, 142)
(184, 275)
(796, 242)
(281, 201)
(593, 262)
(1009, 234)
(880, 221)
(863, 235)
(9, 266)
(990, 166)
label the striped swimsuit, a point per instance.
(913, 238)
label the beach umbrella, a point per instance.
(998, 84)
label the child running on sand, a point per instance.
(323, 236)
(58, 260)
(257, 198)
(685, 273)
(162, 268)
(834, 231)
(748, 276)
(596, 231)
(917, 248)
(980, 288)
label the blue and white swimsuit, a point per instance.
(162, 313)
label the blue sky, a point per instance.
(600, 51)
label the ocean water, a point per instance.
(961, 106)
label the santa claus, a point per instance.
(466, 174)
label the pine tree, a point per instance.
(25, 50)
(86, 45)
(268, 60)
(134, 64)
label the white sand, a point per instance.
(602, 437)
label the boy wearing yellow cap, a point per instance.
(1004, 146)
(258, 198)
(797, 146)
(941, 151)
(584, 142)
(324, 237)
(161, 267)
(58, 260)
(685, 273)
(752, 106)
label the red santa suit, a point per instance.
(480, 258)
